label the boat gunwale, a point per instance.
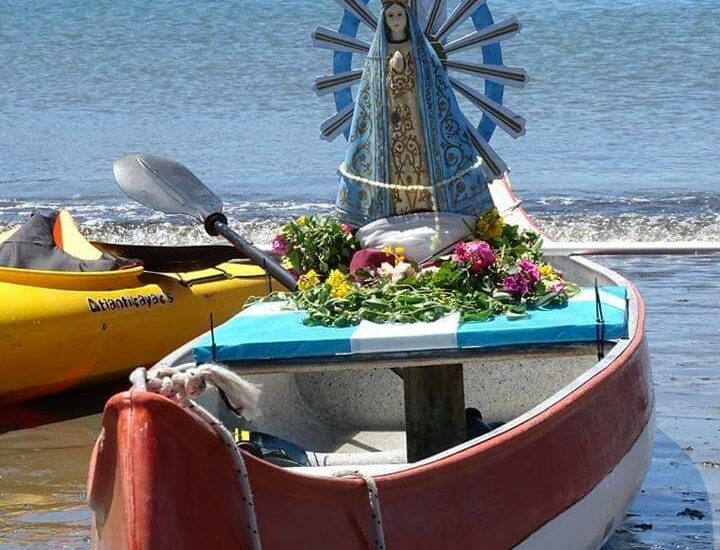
(71, 280)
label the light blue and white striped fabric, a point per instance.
(266, 331)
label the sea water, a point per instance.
(623, 142)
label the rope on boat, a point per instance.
(180, 385)
(374, 498)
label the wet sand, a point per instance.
(43, 470)
(42, 485)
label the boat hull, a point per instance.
(58, 330)
(561, 476)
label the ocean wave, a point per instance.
(644, 217)
(630, 227)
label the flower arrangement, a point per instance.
(315, 243)
(500, 271)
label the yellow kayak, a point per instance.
(59, 329)
(62, 328)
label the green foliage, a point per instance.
(318, 243)
(515, 244)
(418, 294)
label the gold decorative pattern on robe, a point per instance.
(408, 164)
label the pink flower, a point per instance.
(279, 246)
(531, 271)
(346, 228)
(516, 285)
(478, 254)
(556, 286)
(461, 253)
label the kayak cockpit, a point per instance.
(53, 242)
(50, 251)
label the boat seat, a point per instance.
(54, 243)
(68, 238)
(5, 235)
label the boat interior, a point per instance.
(322, 421)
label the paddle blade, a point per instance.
(165, 185)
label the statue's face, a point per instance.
(396, 19)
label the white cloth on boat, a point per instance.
(422, 234)
(372, 337)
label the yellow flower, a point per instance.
(548, 272)
(490, 225)
(286, 263)
(340, 291)
(308, 280)
(302, 221)
(339, 285)
(397, 252)
(336, 278)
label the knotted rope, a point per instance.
(374, 498)
(183, 384)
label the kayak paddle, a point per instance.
(168, 186)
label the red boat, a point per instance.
(567, 443)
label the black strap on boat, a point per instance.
(599, 323)
(627, 312)
(228, 404)
(222, 394)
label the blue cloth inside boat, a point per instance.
(266, 331)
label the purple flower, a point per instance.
(279, 246)
(531, 271)
(478, 254)
(516, 285)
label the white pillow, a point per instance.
(422, 234)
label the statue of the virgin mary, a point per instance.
(409, 149)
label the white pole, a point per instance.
(553, 248)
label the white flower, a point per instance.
(429, 270)
(385, 270)
(402, 271)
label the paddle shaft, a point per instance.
(268, 263)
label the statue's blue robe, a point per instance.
(457, 181)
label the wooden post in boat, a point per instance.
(434, 409)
